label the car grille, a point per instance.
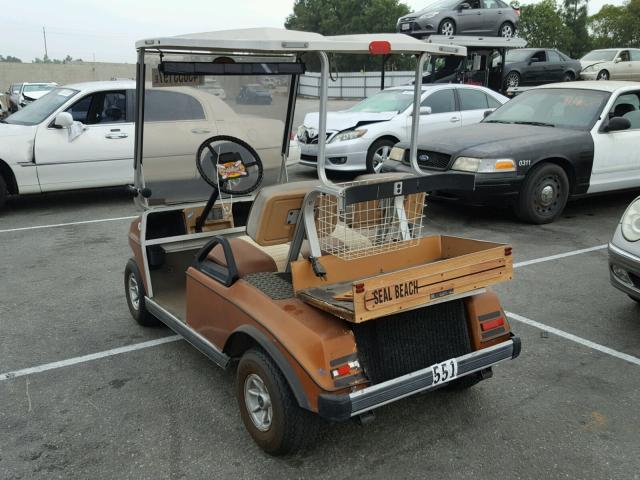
(308, 158)
(307, 140)
(431, 160)
(405, 342)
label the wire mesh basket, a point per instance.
(368, 228)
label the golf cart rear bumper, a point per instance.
(343, 407)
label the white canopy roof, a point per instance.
(277, 40)
(470, 41)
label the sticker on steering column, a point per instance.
(231, 170)
(444, 372)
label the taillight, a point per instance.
(517, 10)
(492, 324)
(345, 369)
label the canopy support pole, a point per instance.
(415, 115)
(322, 126)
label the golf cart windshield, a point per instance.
(386, 101)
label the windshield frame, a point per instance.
(39, 104)
(606, 96)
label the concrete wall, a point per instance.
(62, 73)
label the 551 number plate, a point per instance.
(445, 371)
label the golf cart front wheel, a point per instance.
(268, 408)
(135, 294)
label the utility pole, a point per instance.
(44, 34)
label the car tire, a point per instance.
(135, 293)
(543, 194)
(268, 408)
(377, 153)
(507, 30)
(4, 192)
(568, 77)
(447, 27)
(603, 75)
(511, 80)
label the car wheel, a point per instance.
(506, 30)
(543, 195)
(568, 77)
(135, 293)
(603, 75)
(378, 152)
(512, 80)
(447, 27)
(4, 192)
(268, 409)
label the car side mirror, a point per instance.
(617, 60)
(63, 120)
(487, 113)
(616, 124)
(425, 110)
(464, 6)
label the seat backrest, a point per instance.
(273, 215)
(622, 109)
(634, 118)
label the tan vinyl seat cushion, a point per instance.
(249, 258)
(267, 223)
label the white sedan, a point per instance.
(361, 137)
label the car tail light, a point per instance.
(517, 10)
(345, 369)
(492, 324)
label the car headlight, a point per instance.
(348, 135)
(396, 154)
(590, 68)
(484, 165)
(631, 222)
(428, 15)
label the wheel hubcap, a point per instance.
(602, 76)
(512, 80)
(258, 402)
(134, 292)
(447, 28)
(506, 31)
(549, 193)
(379, 158)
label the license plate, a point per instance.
(405, 26)
(445, 371)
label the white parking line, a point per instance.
(575, 338)
(83, 222)
(88, 358)
(559, 255)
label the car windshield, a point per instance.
(36, 112)
(37, 87)
(517, 55)
(558, 107)
(386, 101)
(600, 55)
(440, 5)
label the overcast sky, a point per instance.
(107, 29)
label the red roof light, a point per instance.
(380, 47)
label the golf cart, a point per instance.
(329, 298)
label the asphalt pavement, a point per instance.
(566, 408)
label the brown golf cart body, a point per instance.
(340, 286)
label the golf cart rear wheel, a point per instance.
(447, 27)
(268, 408)
(135, 293)
(543, 195)
(506, 30)
(378, 152)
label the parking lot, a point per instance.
(87, 393)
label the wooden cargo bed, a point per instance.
(437, 268)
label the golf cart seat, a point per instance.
(248, 257)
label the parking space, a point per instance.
(561, 410)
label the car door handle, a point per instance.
(200, 130)
(454, 119)
(116, 135)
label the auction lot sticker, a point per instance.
(159, 79)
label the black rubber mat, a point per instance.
(274, 284)
(392, 346)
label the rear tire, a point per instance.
(506, 30)
(135, 293)
(268, 408)
(543, 195)
(447, 27)
(4, 192)
(377, 154)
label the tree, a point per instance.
(574, 14)
(341, 17)
(10, 58)
(541, 26)
(616, 26)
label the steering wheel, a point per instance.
(230, 165)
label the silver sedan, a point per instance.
(624, 253)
